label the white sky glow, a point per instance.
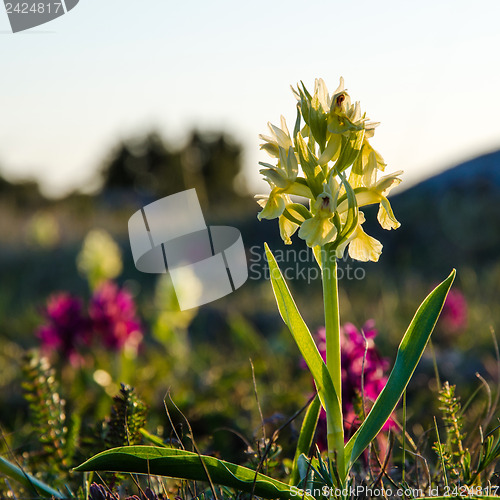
(110, 69)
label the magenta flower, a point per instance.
(66, 329)
(454, 315)
(113, 317)
(363, 375)
(356, 375)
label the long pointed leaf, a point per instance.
(409, 353)
(303, 338)
(187, 465)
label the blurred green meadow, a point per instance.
(229, 369)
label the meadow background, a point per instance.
(123, 114)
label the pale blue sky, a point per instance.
(429, 71)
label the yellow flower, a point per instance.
(285, 173)
(332, 144)
(364, 247)
(272, 204)
(346, 117)
(287, 229)
(319, 229)
(369, 191)
(364, 169)
(43, 230)
(280, 138)
(320, 100)
(360, 245)
(100, 257)
(281, 177)
(385, 214)
(332, 149)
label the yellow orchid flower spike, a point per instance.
(330, 143)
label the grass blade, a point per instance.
(306, 437)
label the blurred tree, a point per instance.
(23, 194)
(210, 164)
(4, 185)
(145, 165)
(207, 162)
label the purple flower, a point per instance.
(99, 492)
(361, 371)
(113, 316)
(454, 314)
(363, 375)
(66, 329)
(147, 494)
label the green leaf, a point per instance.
(306, 437)
(302, 336)
(187, 465)
(310, 478)
(27, 480)
(351, 222)
(351, 147)
(409, 353)
(299, 210)
(296, 128)
(310, 165)
(314, 115)
(352, 212)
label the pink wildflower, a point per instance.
(454, 314)
(113, 316)
(66, 329)
(363, 375)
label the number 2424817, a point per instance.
(33, 8)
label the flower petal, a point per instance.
(386, 216)
(273, 207)
(317, 231)
(364, 247)
(386, 183)
(287, 229)
(332, 149)
(275, 177)
(282, 137)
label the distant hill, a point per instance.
(451, 219)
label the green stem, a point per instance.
(335, 427)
